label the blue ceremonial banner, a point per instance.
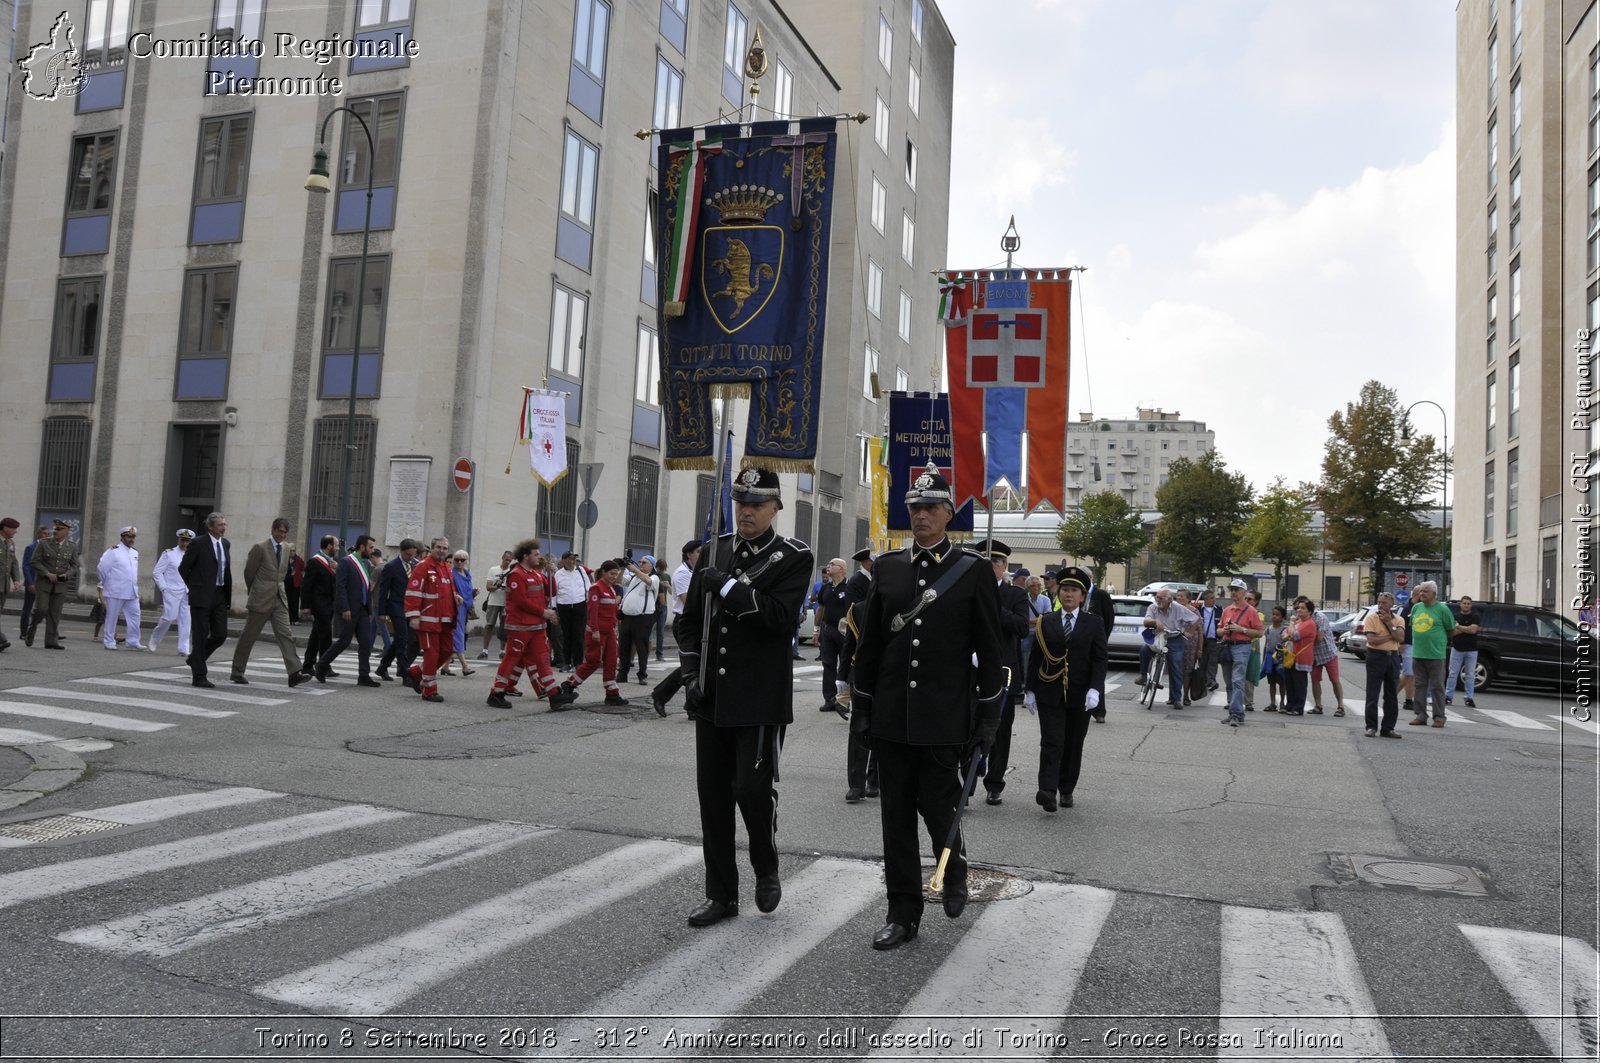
(919, 432)
(744, 218)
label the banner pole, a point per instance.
(708, 555)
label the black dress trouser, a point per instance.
(734, 769)
(915, 780)
(831, 643)
(208, 629)
(319, 640)
(1061, 734)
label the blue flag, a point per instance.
(726, 523)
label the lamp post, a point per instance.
(1444, 475)
(317, 181)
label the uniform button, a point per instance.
(922, 583)
(914, 663)
(724, 631)
(723, 649)
(913, 684)
(924, 564)
(722, 671)
(917, 621)
(916, 642)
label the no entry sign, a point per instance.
(462, 477)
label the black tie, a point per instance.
(277, 553)
(1066, 626)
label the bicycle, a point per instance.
(1158, 667)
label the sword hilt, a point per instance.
(936, 883)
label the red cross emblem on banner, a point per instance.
(1005, 348)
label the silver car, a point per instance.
(1127, 637)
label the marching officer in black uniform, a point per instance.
(833, 601)
(1014, 614)
(928, 679)
(1067, 672)
(861, 767)
(739, 618)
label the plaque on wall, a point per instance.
(408, 499)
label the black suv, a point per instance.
(1525, 644)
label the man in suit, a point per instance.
(264, 569)
(392, 607)
(207, 570)
(1014, 627)
(1067, 674)
(40, 534)
(740, 613)
(919, 698)
(10, 571)
(353, 602)
(317, 590)
(1101, 605)
(55, 562)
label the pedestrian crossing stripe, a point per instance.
(193, 692)
(1515, 719)
(1271, 964)
(92, 719)
(1583, 725)
(111, 699)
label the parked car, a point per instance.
(1194, 589)
(1126, 637)
(1353, 639)
(1526, 644)
(1339, 620)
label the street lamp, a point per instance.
(317, 181)
(1444, 474)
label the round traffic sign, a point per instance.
(462, 476)
(1401, 579)
(588, 513)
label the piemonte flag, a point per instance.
(1008, 364)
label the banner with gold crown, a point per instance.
(744, 224)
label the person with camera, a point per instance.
(926, 688)
(640, 585)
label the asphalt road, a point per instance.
(329, 872)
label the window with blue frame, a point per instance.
(75, 340)
(591, 28)
(205, 332)
(580, 168)
(338, 335)
(384, 32)
(221, 173)
(105, 55)
(385, 117)
(91, 190)
(234, 22)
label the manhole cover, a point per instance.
(985, 885)
(1415, 874)
(54, 828)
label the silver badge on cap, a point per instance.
(923, 482)
(750, 477)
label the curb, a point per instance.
(54, 769)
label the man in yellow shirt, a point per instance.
(1386, 632)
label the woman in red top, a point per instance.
(600, 643)
(1302, 632)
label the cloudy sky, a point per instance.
(1263, 191)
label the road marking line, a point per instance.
(94, 719)
(53, 879)
(213, 695)
(1552, 979)
(379, 977)
(723, 970)
(160, 808)
(1041, 970)
(132, 703)
(10, 736)
(808, 669)
(1299, 964)
(1583, 725)
(1515, 719)
(181, 674)
(204, 920)
(1113, 687)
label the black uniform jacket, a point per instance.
(1014, 614)
(199, 572)
(859, 585)
(1086, 659)
(320, 585)
(1101, 605)
(919, 684)
(749, 666)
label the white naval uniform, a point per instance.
(174, 600)
(119, 581)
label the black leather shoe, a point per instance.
(659, 705)
(955, 900)
(769, 891)
(1066, 800)
(1046, 800)
(893, 935)
(872, 791)
(368, 681)
(513, 693)
(296, 678)
(204, 683)
(433, 697)
(615, 699)
(713, 912)
(497, 701)
(853, 797)
(411, 681)
(241, 680)
(322, 674)
(562, 698)
(384, 675)
(993, 798)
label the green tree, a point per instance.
(1203, 507)
(1277, 530)
(1106, 530)
(1375, 485)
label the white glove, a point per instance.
(841, 687)
(1091, 701)
(1031, 703)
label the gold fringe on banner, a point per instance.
(705, 464)
(756, 461)
(738, 389)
